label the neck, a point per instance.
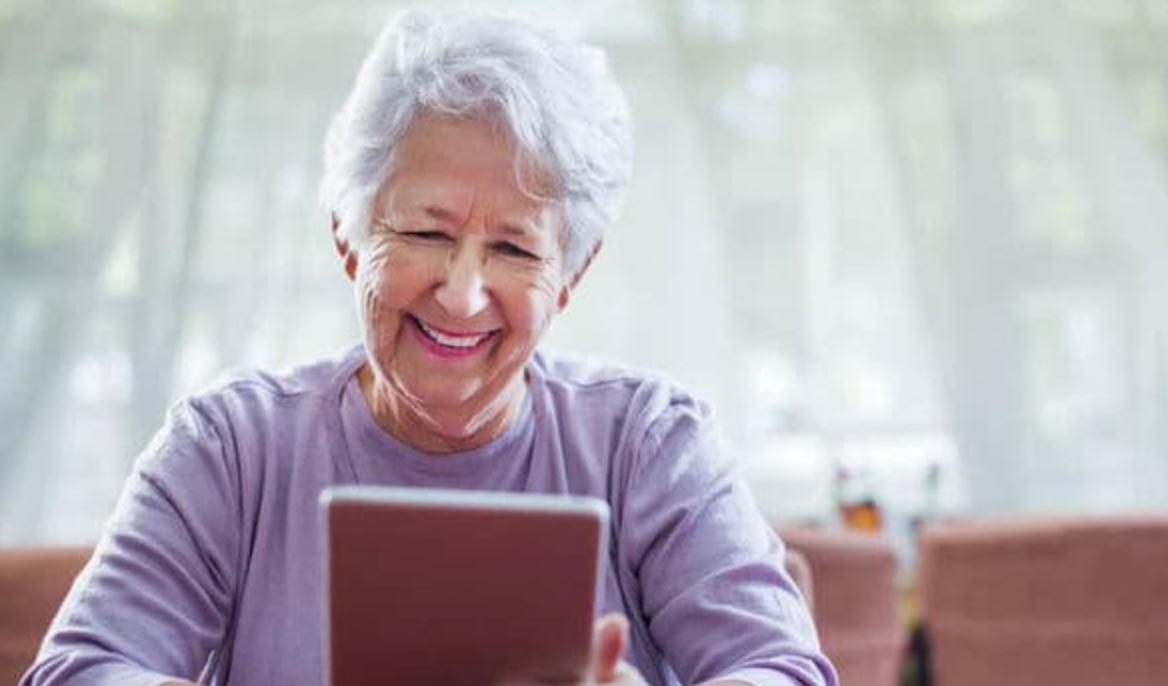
(438, 430)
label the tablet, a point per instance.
(459, 587)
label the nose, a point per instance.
(463, 293)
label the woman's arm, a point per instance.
(609, 645)
(154, 601)
(718, 600)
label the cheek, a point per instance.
(389, 281)
(533, 308)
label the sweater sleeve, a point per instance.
(155, 601)
(714, 591)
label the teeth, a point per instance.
(452, 341)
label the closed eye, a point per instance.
(427, 235)
(512, 250)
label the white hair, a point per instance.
(557, 98)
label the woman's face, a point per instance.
(460, 277)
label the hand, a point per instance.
(610, 639)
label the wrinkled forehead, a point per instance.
(460, 163)
(440, 137)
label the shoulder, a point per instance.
(256, 393)
(249, 413)
(647, 404)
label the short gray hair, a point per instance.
(562, 106)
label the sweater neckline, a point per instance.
(368, 445)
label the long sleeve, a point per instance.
(155, 601)
(713, 587)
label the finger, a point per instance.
(610, 638)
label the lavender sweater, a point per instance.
(210, 567)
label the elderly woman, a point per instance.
(470, 176)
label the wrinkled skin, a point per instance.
(455, 245)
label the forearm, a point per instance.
(153, 603)
(86, 666)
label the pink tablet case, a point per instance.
(430, 587)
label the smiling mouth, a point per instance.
(450, 343)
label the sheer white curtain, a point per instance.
(882, 235)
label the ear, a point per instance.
(566, 290)
(343, 249)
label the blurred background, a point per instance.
(915, 251)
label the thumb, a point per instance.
(609, 639)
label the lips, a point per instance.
(449, 343)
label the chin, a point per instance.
(446, 398)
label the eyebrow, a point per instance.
(509, 228)
(440, 213)
(517, 230)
